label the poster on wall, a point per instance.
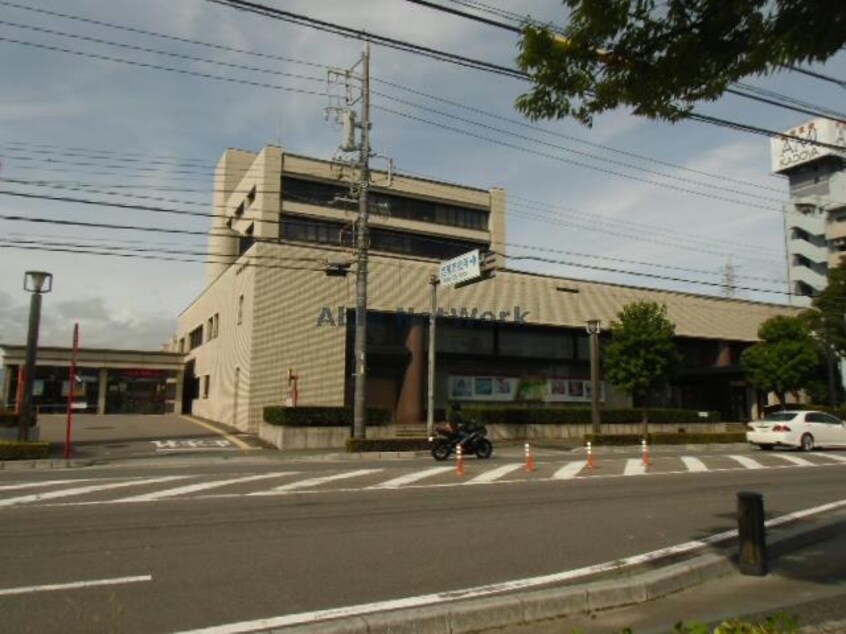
(521, 389)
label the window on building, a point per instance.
(206, 381)
(301, 229)
(182, 344)
(394, 205)
(210, 329)
(195, 338)
(216, 324)
(240, 309)
(251, 197)
(239, 210)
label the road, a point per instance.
(192, 546)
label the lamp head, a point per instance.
(38, 281)
(593, 325)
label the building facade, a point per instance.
(274, 324)
(105, 381)
(815, 215)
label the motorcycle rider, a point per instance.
(456, 423)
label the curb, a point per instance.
(509, 610)
(57, 463)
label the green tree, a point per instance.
(827, 318)
(785, 359)
(641, 357)
(660, 58)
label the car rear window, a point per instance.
(780, 416)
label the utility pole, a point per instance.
(433, 309)
(593, 328)
(362, 239)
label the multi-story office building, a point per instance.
(815, 215)
(274, 324)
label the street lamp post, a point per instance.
(37, 283)
(593, 329)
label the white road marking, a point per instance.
(45, 483)
(495, 474)
(411, 477)
(748, 462)
(37, 497)
(497, 588)
(634, 466)
(203, 486)
(313, 482)
(693, 464)
(802, 462)
(570, 470)
(74, 585)
(834, 457)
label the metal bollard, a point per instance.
(751, 534)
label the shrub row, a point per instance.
(10, 419)
(666, 439)
(511, 414)
(387, 444)
(321, 416)
(13, 450)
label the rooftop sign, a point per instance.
(464, 268)
(788, 153)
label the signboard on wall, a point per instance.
(788, 153)
(464, 268)
(521, 389)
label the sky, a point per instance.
(674, 202)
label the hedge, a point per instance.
(387, 444)
(321, 416)
(13, 450)
(511, 414)
(10, 419)
(666, 439)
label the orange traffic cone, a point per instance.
(645, 453)
(459, 465)
(590, 463)
(530, 461)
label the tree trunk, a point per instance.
(781, 398)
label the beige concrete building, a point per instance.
(274, 323)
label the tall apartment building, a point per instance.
(815, 215)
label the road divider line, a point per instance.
(313, 482)
(410, 478)
(747, 462)
(568, 471)
(45, 483)
(634, 466)
(52, 495)
(802, 462)
(693, 464)
(329, 614)
(202, 486)
(495, 474)
(74, 585)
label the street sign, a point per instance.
(461, 269)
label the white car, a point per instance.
(802, 429)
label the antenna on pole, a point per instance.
(729, 278)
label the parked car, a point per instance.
(800, 429)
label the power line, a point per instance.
(820, 76)
(464, 14)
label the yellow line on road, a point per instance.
(235, 441)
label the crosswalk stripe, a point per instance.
(410, 478)
(202, 486)
(748, 462)
(693, 464)
(313, 482)
(834, 457)
(569, 470)
(496, 474)
(802, 462)
(45, 483)
(51, 495)
(634, 466)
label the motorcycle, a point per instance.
(470, 437)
